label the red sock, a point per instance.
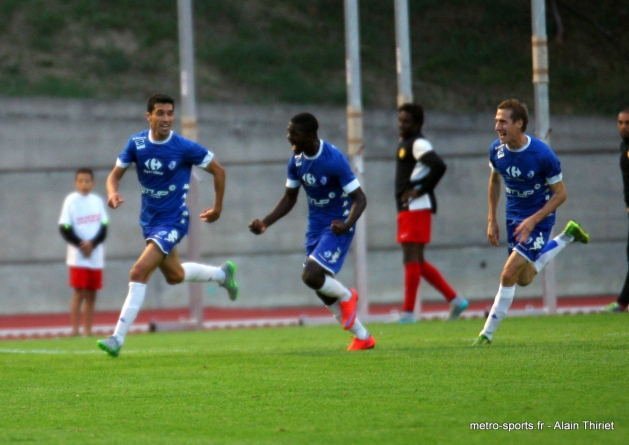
(436, 280)
(412, 274)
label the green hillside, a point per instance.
(466, 54)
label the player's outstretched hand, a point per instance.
(339, 227)
(209, 215)
(257, 227)
(114, 200)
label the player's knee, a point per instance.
(174, 277)
(138, 274)
(527, 276)
(312, 280)
(509, 277)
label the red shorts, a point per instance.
(413, 226)
(83, 278)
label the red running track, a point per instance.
(56, 320)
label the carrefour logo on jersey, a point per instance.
(309, 179)
(514, 171)
(153, 166)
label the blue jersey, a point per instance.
(327, 179)
(526, 172)
(164, 169)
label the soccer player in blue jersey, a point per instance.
(335, 202)
(534, 190)
(164, 163)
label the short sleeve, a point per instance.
(420, 147)
(346, 177)
(292, 181)
(65, 218)
(127, 157)
(198, 155)
(103, 213)
(553, 173)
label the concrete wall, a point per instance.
(42, 142)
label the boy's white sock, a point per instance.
(130, 309)
(501, 305)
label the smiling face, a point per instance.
(161, 120)
(509, 132)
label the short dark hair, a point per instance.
(159, 98)
(416, 111)
(84, 170)
(624, 110)
(518, 111)
(307, 122)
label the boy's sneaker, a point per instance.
(613, 307)
(348, 311)
(230, 284)
(407, 317)
(360, 345)
(574, 230)
(457, 309)
(481, 340)
(110, 346)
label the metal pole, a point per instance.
(189, 131)
(542, 119)
(355, 144)
(403, 54)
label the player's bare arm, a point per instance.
(493, 197)
(114, 200)
(211, 214)
(284, 205)
(525, 228)
(359, 203)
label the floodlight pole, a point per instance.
(403, 53)
(189, 131)
(542, 119)
(355, 145)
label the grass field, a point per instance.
(422, 384)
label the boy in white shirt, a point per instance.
(83, 224)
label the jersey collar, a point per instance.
(160, 142)
(318, 153)
(517, 150)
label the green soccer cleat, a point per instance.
(481, 341)
(613, 307)
(230, 284)
(574, 230)
(110, 346)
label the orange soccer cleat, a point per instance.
(348, 311)
(359, 345)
